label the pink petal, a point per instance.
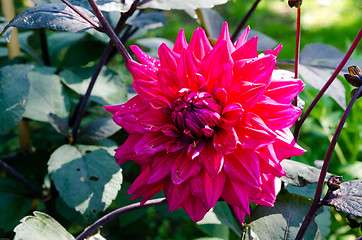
(239, 213)
(176, 195)
(187, 69)
(266, 194)
(225, 139)
(160, 166)
(152, 142)
(243, 37)
(180, 42)
(275, 51)
(237, 194)
(285, 146)
(284, 87)
(250, 161)
(225, 36)
(232, 113)
(195, 208)
(210, 159)
(141, 71)
(169, 83)
(127, 152)
(253, 133)
(246, 93)
(199, 44)
(276, 115)
(257, 70)
(247, 50)
(236, 171)
(168, 58)
(183, 168)
(146, 59)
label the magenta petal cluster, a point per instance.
(208, 122)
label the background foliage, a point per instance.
(47, 97)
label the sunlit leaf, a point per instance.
(212, 226)
(87, 177)
(14, 90)
(41, 227)
(149, 20)
(185, 4)
(108, 89)
(46, 95)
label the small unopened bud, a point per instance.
(334, 182)
(295, 3)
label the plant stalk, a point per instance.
(104, 58)
(316, 204)
(297, 51)
(116, 213)
(300, 122)
(244, 20)
(37, 192)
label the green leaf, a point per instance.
(13, 203)
(348, 198)
(103, 5)
(7, 32)
(284, 219)
(87, 177)
(223, 213)
(59, 124)
(41, 227)
(98, 129)
(14, 90)
(300, 174)
(54, 16)
(60, 40)
(108, 89)
(185, 4)
(212, 225)
(149, 20)
(46, 95)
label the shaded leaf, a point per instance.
(211, 22)
(61, 40)
(41, 227)
(348, 198)
(103, 5)
(185, 4)
(150, 20)
(46, 95)
(300, 174)
(98, 129)
(223, 213)
(14, 203)
(59, 124)
(14, 90)
(87, 177)
(317, 77)
(108, 89)
(284, 219)
(6, 34)
(324, 56)
(264, 42)
(212, 226)
(54, 16)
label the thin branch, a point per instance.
(316, 201)
(37, 192)
(299, 123)
(104, 58)
(244, 20)
(297, 50)
(90, 21)
(116, 213)
(44, 47)
(109, 31)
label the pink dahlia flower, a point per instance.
(208, 122)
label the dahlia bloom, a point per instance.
(208, 122)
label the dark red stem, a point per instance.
(297, 50)
(115, 213)
(316, 201)
(299, 123)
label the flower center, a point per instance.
(196, 113)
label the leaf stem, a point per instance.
(37, 193)
(104, 58)
(109, 31)
(44, 47)
(90, 21)
(115, 213)
(299, 123)
(297, 50)
(244, 20)
(316, 201)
